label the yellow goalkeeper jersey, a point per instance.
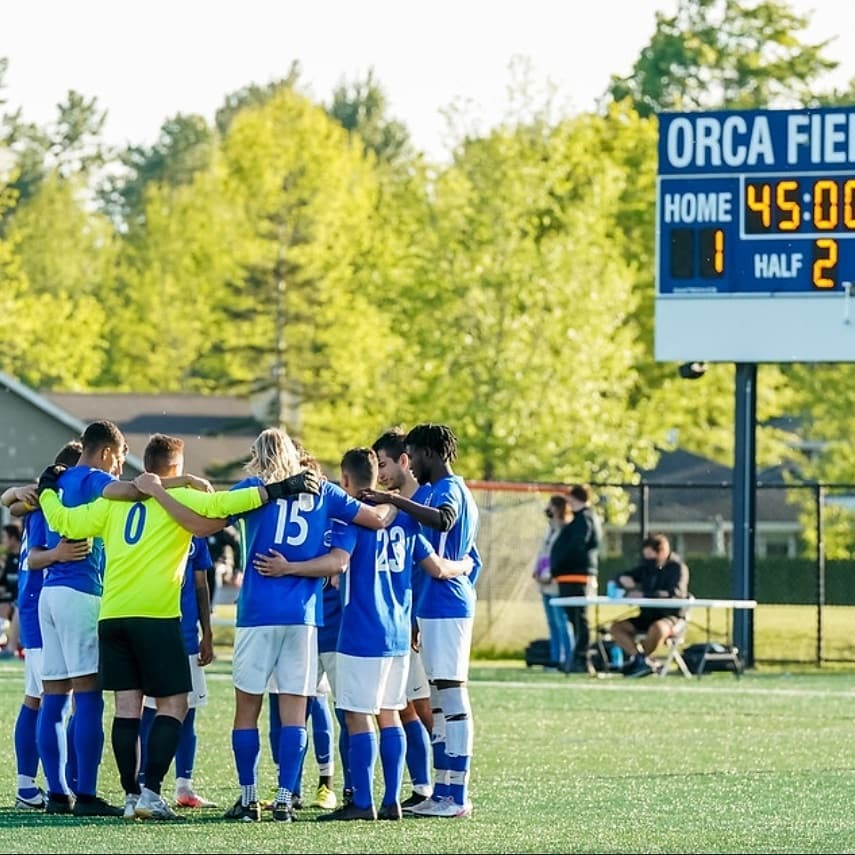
(146, 549)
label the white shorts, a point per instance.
(417, 682)
(33, 672)
(367, 684)
(198, 695)
(287, 654)
(69, 625)
(326, 672)
(446, 643)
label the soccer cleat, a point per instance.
(152, 805)
(296, 801)
(325, 798)
(36, 802)
(131, 800)
(189, 799)
(59, 803)
(282, 813)
(349, 812)
(392, 812)
(443, 806)
(96, 806)
(346, 796)
(244, 813)
(415, 799)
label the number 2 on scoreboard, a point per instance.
(824, 270)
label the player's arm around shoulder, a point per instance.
(82, 521)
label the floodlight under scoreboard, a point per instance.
(755, 243)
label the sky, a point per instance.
(146, 62)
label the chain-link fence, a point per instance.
(804, 597)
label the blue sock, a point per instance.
(292, 749)
(26, 750)
(363, 757)
(70, 754)
(185, 754)
(392, 750)
(275, 726)
(50, 738)
(146, 722)
(88, 739)
(322, 733)
(440, 768)
(418, 752)
(459, 776)
(246, 746)
(344, 749)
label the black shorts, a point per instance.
(146, 654)
(647, 617)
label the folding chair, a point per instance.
(675, 642)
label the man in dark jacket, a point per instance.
(662, 574)
(573, 563)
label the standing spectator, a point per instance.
(560, 636)
(224, 547)
(661, 574)
(12, 536)
(574, 562)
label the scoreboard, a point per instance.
(755, 236)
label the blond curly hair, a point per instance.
(273, 456)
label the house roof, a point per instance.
(686, 487)
(217, 430)
(56, 411)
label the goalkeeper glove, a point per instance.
(304, 482)
(49, 479)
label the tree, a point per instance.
(185, 146)
(361, 108)
(715, 54)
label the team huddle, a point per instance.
(367, 591)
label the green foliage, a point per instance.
(361, 108)
(714, 54)
(63, 258)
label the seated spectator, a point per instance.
(662, 574)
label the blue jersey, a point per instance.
(328, 632)
(376, 589)
(79, 485)
(421, 497)
(294, 527)
(198, 560)
(30, 582)
(450, 598)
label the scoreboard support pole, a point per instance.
(744, 505)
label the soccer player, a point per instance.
(278, 616)
(393, 469)
(34, 559)
(195, 616)
(146, 543)
(68, 617)
(445, 612)
(372, 657)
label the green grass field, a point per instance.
(764, 763)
